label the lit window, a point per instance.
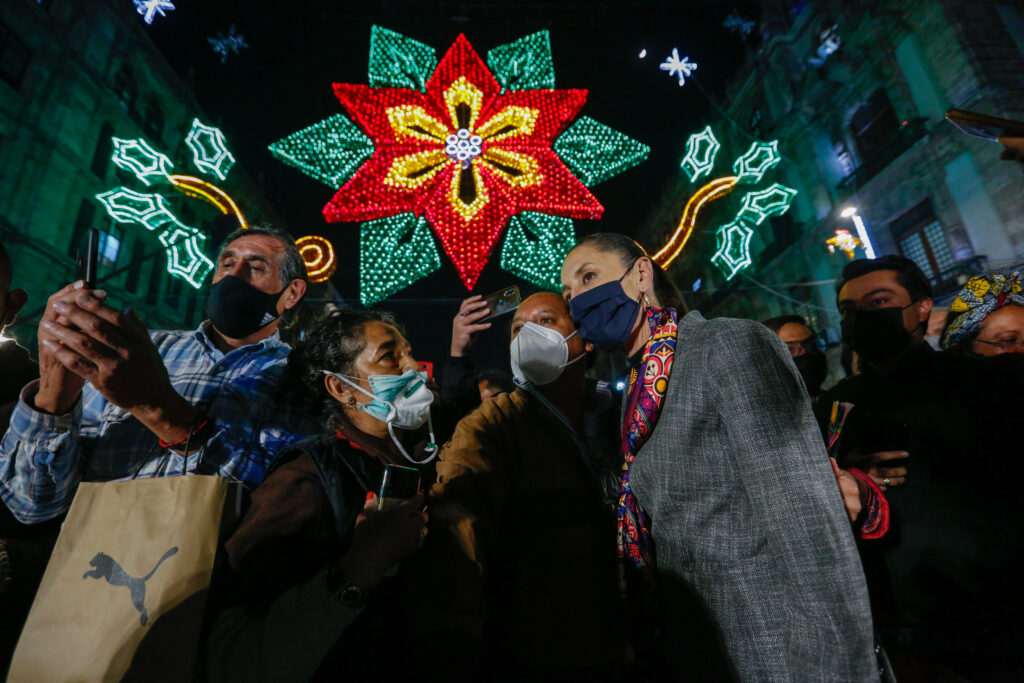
(110, 246)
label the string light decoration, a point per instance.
(318, 254)
(461, 144)
(185, 257)
(733, 255)
(182, 243)
(756, 161)
(680, 67)
(329, 151)
(224, 45)
(843, 241)
(209, 150)
(150, 8)
(701, 150)
(536, 246)
(774, 201)
(394, 252)
(141, 160)
(732, 239)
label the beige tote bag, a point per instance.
(124, 592)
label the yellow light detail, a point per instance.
(463, 92)
(197, 187)
(405, 119)
(467, 211)
(318, 255)
(521, 121)
(413, 170)
(713, 190)
(526, 165)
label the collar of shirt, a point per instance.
(202, 336)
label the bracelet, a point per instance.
(192, 432)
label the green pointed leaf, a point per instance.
(536, 246)
(595, 152)
(330, 151)
(524, 64)
(397, 61)
(388, 261)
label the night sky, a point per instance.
(282, 83)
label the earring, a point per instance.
(647, 299)
(351, 401)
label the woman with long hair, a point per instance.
(726, 488)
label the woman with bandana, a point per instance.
(726, 487)
(987, 316)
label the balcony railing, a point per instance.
(897, 144)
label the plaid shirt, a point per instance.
(43, 456)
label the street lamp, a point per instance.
(862, 232)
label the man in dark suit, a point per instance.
(936, 432)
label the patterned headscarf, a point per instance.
(981, 296)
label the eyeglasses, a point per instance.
(1005, 345)
(809, 345)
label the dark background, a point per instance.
(297, 49)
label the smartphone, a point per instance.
(398, 485)
(982, 126)
(501, 302)
(88, 253)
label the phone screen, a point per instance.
(88, 253)
(501, 302)
(398, 485)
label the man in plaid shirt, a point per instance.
(117, 402)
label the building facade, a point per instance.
(856, 93)
(73, 75)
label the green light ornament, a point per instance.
(701, 149)
(141, 160)
(524, 64)
(330, 151)
(756, 161)
(390, 258)
(773, 201)
(535, 247)
(595, 152)
(397, 61)
(733, 255)
(209, 150)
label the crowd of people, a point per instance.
(723, 517)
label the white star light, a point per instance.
(149, 8)
(673, 65)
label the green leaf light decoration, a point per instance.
(595, 152)
(397, 61)
(391, 259)
(773, 201)
(535, 247)
(330, 150)
(524, 64)
(733, 255)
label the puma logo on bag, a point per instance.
(106, 567)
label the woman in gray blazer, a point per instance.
(726, 479)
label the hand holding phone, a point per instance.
(983, 126)
(503, 301)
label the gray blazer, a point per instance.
(748, 522)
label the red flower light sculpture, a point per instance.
(464, 153)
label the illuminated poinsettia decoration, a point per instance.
(467, 146)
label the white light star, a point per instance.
(683, 67)
(149, 8)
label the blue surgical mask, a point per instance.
(401, 401)
(605, 315)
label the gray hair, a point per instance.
(291, 265)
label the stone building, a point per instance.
(856, 93)
(72, 76)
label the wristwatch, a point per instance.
(343, 590)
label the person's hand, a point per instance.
(110, 349)
(59, 387)
(1014, 148)
(382, 539)
(849, 487)
(465, 324)
(885, 475)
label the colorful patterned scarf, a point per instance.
(642, 409)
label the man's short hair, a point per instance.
(496, 379)
(291, 265)
(908, 274)
(775, 324)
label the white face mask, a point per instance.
(539, 354)
(401, 401)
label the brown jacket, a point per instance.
(521, 557)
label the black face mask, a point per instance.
(877, 335)
(813, 368)
(237, 309)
